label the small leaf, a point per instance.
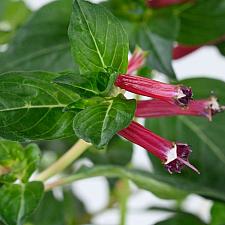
(17, 162)
(97, 124)
(93, 45)
(19, 201)
(88, 84)
(31, 107)
(32, 158)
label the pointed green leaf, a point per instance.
(97, 38)
(97, 124)
(19, 201)
(88, 84)
(31, 107)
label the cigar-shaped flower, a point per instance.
(136, 61)
(174, 94)
(164, 3)
(157, 108)
(173, 155)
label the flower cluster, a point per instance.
(168, 100)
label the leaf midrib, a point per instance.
(33, 107)
(204, 138)
(92, 36)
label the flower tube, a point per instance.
(173, 155)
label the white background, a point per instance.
(205, 62)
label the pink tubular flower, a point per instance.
(164, 3)
(136, 61)
(182, 50)
(157, 108)
(178, 94)
(173, 155)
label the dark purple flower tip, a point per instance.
(183, 152)
(184, 96)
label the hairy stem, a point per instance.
(73, 153)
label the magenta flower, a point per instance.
(182, 50)
(157, 108)
(174, 94)
(136, 61)
(173, 155)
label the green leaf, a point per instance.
(17, 162)
(88, 84)
(217, 214)
(42, 43)
(70, 210)
(221, 47)
(12, 15)
(202, 22)
(31, 107)
(152, 31)
(182, 218)
(93, 45)
(32, 158)
(142, 179)
(117, 152)
(206, 140)
(97, 124)
(19, 201)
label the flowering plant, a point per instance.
(59, 88)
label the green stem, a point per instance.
(123, 195)
(73, 153)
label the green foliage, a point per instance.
(206, 140)
(19, 201)
(42, 42)
(94, 47)
(31, 107)
(17, 162)
(88, 84)
(69, 210)
(202, 22)
(142, 179)
(12, 15)
(99, 123)
(217, 214)
(117, 152)
(152, 31)
(182, 218)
